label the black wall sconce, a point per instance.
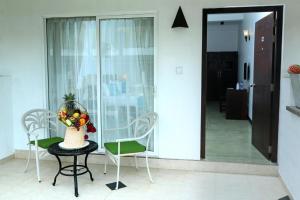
(246, 35)
(179, 20)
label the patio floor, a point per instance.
(169, 184)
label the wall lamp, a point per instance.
(246, 35)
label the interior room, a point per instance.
(230, 62)
(113, 100)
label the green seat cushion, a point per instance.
(45, 143)
(126, 147)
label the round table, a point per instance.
(75, 168)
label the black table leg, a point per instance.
(75, 176)
(59, 170)
(88, 170)
(74, 169)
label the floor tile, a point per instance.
(230, 140)
(168, 184)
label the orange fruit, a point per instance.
(82, 121)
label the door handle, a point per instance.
(252, 85)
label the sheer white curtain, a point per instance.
(127, 73)
(71, 57)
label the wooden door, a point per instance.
(262, 90)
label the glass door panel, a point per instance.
(72, 64)
(127, 73)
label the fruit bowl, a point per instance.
(73, 114)
(75, 117)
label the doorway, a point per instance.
(240, 83)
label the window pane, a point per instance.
(72, 54)
(127, 73)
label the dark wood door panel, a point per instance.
(262, 94)
(263, 54)
(261, 119)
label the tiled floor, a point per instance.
(169, 184)
(229, 140)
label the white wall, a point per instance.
(6, 127)
(222, 37)
(289, 131)
(246, 51)
(22, 56)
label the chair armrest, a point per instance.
(115, 129)
(135, 138)
(126, 139)
(36, 141)
(32, 135)
(120, 128)
(130, 139)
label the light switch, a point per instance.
(179, 70)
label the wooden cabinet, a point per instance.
(221, 74)
(236, 104)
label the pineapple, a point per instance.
(70, 104)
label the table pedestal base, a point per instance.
(112, 186)
(75, 171)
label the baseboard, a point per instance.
(7, 158)
(190, 165)
(285, 187)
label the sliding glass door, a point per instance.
(72, 63)
(127, 73)
(115, 90)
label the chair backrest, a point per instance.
(37, 119)
(144, 125)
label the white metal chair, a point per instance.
(35, 122)
(142, 129)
